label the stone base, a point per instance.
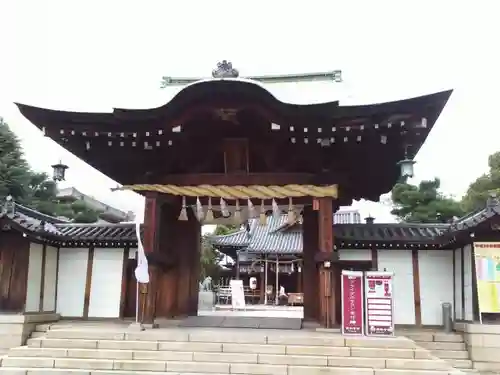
(206, 301)
(483, 344)
(16, 328)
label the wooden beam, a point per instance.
(327, 275)
(88, 283)
(238, 179)
(151, 220)
(236, 156)
(462, 270)
(123, 295)
(310, 245)
(416, 287)
(148, 294)
(57, 279)
(374, 259)
(42, 276)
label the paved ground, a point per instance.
(256, 311)
(242, 322)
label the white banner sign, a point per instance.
(237, 294)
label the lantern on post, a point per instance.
(406, 166)
(59, 171)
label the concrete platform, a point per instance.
(242, 322)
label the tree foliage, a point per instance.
(32, 189)
(424, 203)
(484, 186)
(210, 258)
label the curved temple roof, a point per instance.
(244, 89)
(365, 142)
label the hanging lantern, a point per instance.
(406, 166)
(59, 171)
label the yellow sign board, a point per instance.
(487, 261)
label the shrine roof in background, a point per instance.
(277, 237)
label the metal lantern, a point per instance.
(59, 171)
(406, 166)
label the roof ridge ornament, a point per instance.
(225, 70)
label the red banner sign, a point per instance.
(352, 303)
(379, 303)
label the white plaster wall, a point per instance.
(71, 278)
(457, 253)
(106, 283)
(355, 254)
(469, 299)
(34, 278)
(435, 268)
(50, 282)
(400, 263)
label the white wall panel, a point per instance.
(468, 292)
(355, 254)
(50, 282)
(458, 284)
(34, 278)
(436, 283)
(106, 284)
(400, 263)
(71, 279)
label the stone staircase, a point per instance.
(96, 350)
(447, 346)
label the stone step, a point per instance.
(37, 334)
(420, 336)
(450, 346)
(318, 350)
(43, 327)
(451, 354)
(375, 357)
(460, 363)
(242, 337)
(295, 371)
(345, 364)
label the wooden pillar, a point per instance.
(262, 288)
(147, 296)
(416, 287)
(195, 265)
(309, 270)
(187, 243)
(327, 284)
(168, 278)
(299, 277)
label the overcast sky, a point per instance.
(95, 55)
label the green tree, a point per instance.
(32, 189)
(15, 175)
(210, 258)
(424, 203)
(484, 186)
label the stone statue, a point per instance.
(206, 285)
